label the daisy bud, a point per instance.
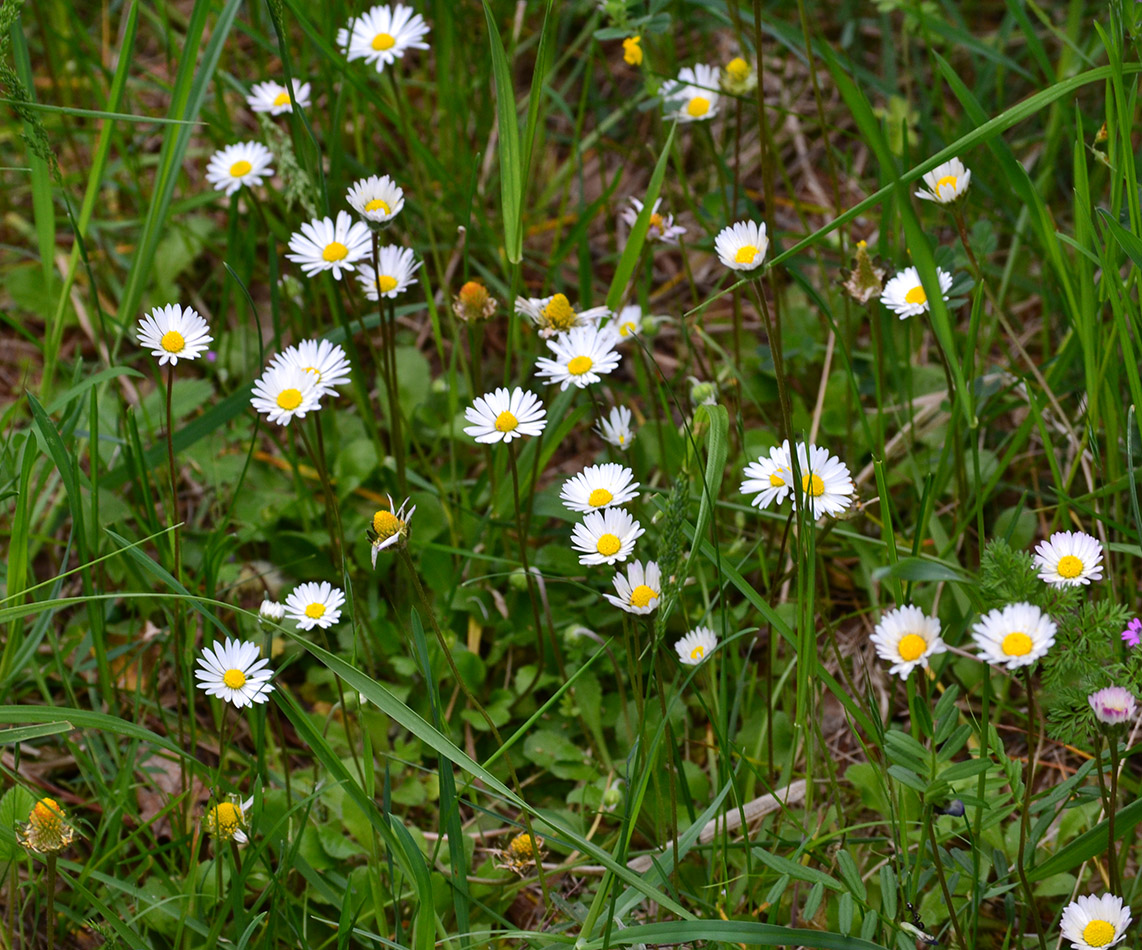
(474, 303)
(739, 78)
(271, 610)
(47, 830)
(1113, 705)
(865, 280)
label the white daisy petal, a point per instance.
(325, 362)
(1069, 558)
(698, 644)
(742, 246)
(382, 34)
(246, 163)
(661, 228)
(273, 97)
(312, 605)
(1093, 923)
(494, 419)
(555, 315)
(694, 95)
(605, 537)
(398, 265)
(616, 428)
(1014, 636)
(378, 199)
(224, 670)
(172, 333)
(325, 244)
(284, 391)
(598, 487)
(639, 590)
(906, 638)
(583, 355)
(946, 182)
(905, 295)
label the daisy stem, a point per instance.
(332, 514)
(1111, 855)
(1025, 818)
(176, 614)
(218, 871)
(778, 361)
(939, 866)
(51, 909)
(394, 404)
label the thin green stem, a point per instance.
(51, 909)
(1111, 846)
(1025, 818)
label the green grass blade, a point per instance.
(511, 161)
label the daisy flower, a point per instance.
(273, 97)
(906, 638)
(390, 527)
(1113, 705)
(246, 163)
(662, 227)
(905, 295)
(946, 182)
(628, 323)
(742, 246)
(325, 362)
(47, 830)
(604, 537)
(616, 429)
(474, 304)
(378, 199)
(1091, 923)
(226, 821)
(323, 244)
(698, 644)
(172, 333)
(1069, 558)
(232, 672)
(312, 605)
(285, 391)
(398, 264)
(825, 479)
(1014, 636)
(694, 94)
(598, 487)
(381, 35)
(639, 591)
(271, 610)
(739, 77)
(771, 478)
(554, 315)
(583, 356)
(501, 416)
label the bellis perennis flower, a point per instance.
(382, 34)
(583, 356)
(378, 199)
(616, 429)
(905, 296)
(325, 244)
(312, 605)
(698, 644)
(906, 638)
(325, 362)
(693, 96)
(742, 246)
(1014, 636)
(285, 391)
(1092, 923)
(389, 527)
(605, 537)
(946, 182)
(246, 163)
(232, 672)
(598, 487)
(172, 333)
(504, 415)
(1113, 705)
(398, 266)
(639, 589)
(1069, 558)
(555, 315)
(661, 226)
(273, 97)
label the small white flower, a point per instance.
(630, 322)
(271, 610)
(323, 244)
(1069, 558)
(698, 644)
(742, 246)
(1092, 923)
(555, 315)
(172, 333)
(503, 415)
(702, 392)
(246, 163)
(1113, 705)
(825, 479)
(906, 638)
(693, 96)
(661, 228)
(598, 487)
(325, 362)
(283, 392)
(232, 672)
(1014, 636)
(273, 97)
(905, 295)
(583, 356)
(639, 591)
(605, 537)
(771, 478)
(616, 429)
(382, 34)
(398, 265)
(390, 527)
(312, 605)
(946, 182)
(377, 198)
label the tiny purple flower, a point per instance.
(1113, 705)
(211, 356)
(1133, 633)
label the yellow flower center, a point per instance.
(558, 313)
(282, 99)
(46, 814)
(238, 169)
(385, 283)
(521, 847)
(386, 524)
(912, 647)
(916, 295)
(473, 294)
(580, 365)
(632, 52)
(383, 41)
(599, 497)
(1016, 644)
(289, 399)
(776, 481)
(1098, 933)
(1069, 566)
(946, 181)
(745, 255)
(315, 611)
(813, 484)
(738, 69)
(656, 221)
(316, 372)
(223, 819)
(234, 679)
(378, 204)
(698, 107)
(642, 595)
(172, 341)
(335, 251)
(698, 652)
(608, 545)
(627, 328)
(506, 422)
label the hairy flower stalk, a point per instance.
(389, 370)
